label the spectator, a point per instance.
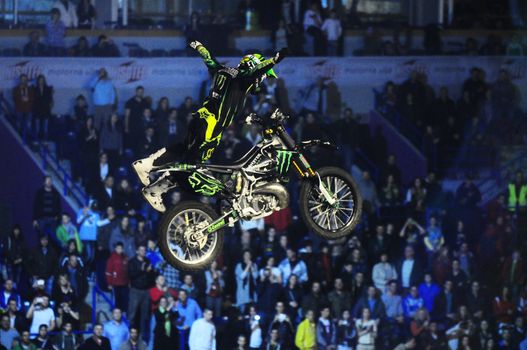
(67, 13)
(346, 332)
(255, 337)
(189, 312)
(189, 286)
(34, 48)
(203, 333)
(86, 14)
(42, 340)
(420, 323)
(117, 276)
(8, 292)
(77, 274)
(111, 139)
(81, 48)
(306, 333)
(8, 334)
(17, 319)
(292, 265)
(97, 341)
(105, 47)
(428, 290)
(332, 30)
(338, 298)
(368, 191)
(105, 190)
(446, 302)
(104, 98)
(124, 234)
(292, 296)
(283, 323)
(433, 240)
(366, 331)
(246, 279)
(44, 262)
(40, 313)
(116, 330)
(515, 47)
(133, 114)
(25, 343)
(503, 307)
(165, 332)
(412, 302)
(214, 288)
(66, 340)
(326, 331)
(134, 342)
(315, 299)
(87, 219)
(383, 272)
(23, 98)
(312, 26)
(55, 32)
(409, 271)
(140, 272)
(272, 343)
(372, 301)
(161, 289)
(66, 232)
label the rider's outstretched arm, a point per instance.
(265, 65)
(210, 61)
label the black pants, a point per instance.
(203, 137)
(319, 40)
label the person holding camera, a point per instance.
(366, 331)
(40, 313)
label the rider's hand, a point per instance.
(280, 55)
(194, 44)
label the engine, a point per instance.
(263, 201)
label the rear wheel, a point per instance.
(181, 238)
(336, 220)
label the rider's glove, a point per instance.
(280, 55)
(194, 44)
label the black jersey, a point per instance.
(230, 87)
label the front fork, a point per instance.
(305, 171)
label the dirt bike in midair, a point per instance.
(191, 232)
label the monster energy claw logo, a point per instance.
(204, 185)
(283, 161)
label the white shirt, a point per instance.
(104, 171)
(202, 335)
(255, 341)
(406, 272)
(42, 316)
(383, 273)
(367, 338)
(311, 18)
(332, 28)
(67, 16)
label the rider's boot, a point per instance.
(143, 166)
(154, 192)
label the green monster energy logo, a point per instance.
(216, 226)
(207, 186)
(283, 159)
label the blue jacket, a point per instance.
(189, 313)
(103, 92)
(428, 294)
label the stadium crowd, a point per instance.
(292, 23)
(426, 269)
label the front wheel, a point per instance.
(181, 238)
(336, 220)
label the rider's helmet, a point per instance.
(252, 60)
